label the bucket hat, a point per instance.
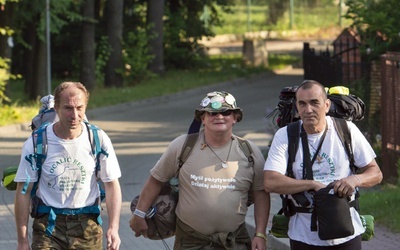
(218, 101)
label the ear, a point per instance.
(327, 105)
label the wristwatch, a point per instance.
(261, 235)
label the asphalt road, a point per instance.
(142, 130)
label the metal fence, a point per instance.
(341, 68)
(390, 114)
(322, 68)
(335, 70)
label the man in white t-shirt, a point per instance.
(214, 184)
(68, 186)
(332, 165)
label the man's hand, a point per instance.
(113, 240)
(139, 226)
(258, 243)
(346, 186)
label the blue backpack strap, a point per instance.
(95, 142)
(39, 140)
(53, 212)
(95, 139)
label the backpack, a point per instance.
(45, 117)
(343, 105)
(161, 218)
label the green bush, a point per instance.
(7, 113)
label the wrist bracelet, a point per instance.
(261, 235)
(359, 179)
(139, 213)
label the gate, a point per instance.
(345, 66)
(390, 118)
(322, 68)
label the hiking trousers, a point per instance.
(79, 231)
(186, 238)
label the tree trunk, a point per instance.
(28, 69)
(155, 12)
(34, 68)
(88, 55)
(5, 21)
(115, 65)
(40, 73)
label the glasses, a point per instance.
(225, 113)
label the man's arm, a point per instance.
(21, 211)
(262, 204)
(275, 182)
(370, 176)
(113, 203)
(149, 193)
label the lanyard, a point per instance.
(307, 163)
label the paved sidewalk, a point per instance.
(142, 130)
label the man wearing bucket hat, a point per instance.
(215, 183)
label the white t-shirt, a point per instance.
(212, 198)
(68, 174)
(333, 164)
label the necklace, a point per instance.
(223, 163)
(318, 157)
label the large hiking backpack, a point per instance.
(343, 105)
(46, 115)
(40, 122)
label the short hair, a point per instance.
(66, 85)
(307, 84)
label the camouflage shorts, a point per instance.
(71, 232)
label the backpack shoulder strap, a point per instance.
(344, 134)
(246, 148)
(39, 140)
(187, 147)
(95, 138)
(293, 132)
(191, 140)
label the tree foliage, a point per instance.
(184, 23)
(6, 33)
(377, 23)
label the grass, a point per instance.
(218, 69)
(306, 21)
(382, 202)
